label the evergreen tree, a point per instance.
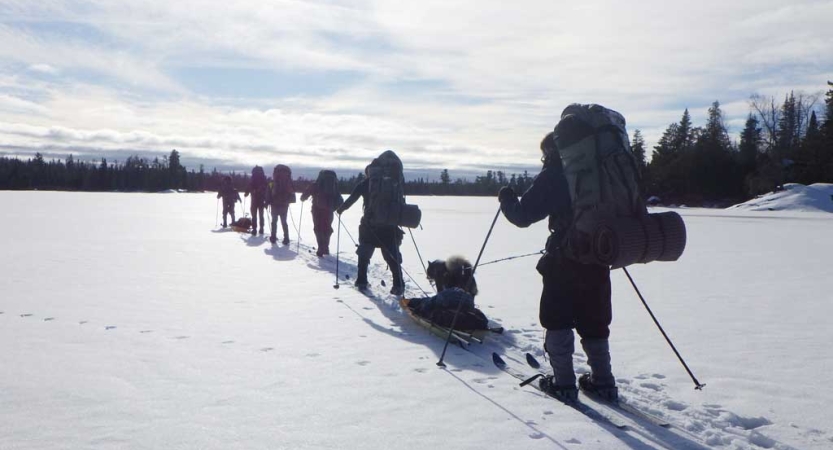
(750, 144)
(638, 149)
(827, 134)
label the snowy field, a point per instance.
(128, 321)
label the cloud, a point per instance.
(449, 84)
(44, 69)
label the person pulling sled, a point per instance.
(587, 169)
(384, 209)
(230, 196)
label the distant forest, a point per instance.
(781, 142)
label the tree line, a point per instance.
(138, 174)
(781, 142)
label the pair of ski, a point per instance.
(591, 406)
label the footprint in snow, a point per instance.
(658, 376)
(227, 342)
(82, 322)
(420, 370)
(266, 349)
(651, 386)
(536, 436)
(26, 315)
(363, 363)
(146, 331)
(48, 319)
(179, 338)
(313, 355)
(573, 441)
(675, 406)
(110, 327)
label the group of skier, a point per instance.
(276, 193)
(588, 178)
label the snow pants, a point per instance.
(576, 296)
(257, 208)
(386, 238)
(322, 220)
(280, 211)
(228, 208)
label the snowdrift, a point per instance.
(794, 197)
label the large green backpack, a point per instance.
(601, 173)
(386, 194)
(610, 224)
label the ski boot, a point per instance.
(606, 392)
(361, 277)
(566, 394)
(398, 283)
(285, 240)
(273, 239)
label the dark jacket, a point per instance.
(574, 294)
(361, 190)
(257, 187)
(283, 198)
(229, 194)
(549, 196)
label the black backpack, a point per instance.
(282, 189)
(327, 183)
(386, 194)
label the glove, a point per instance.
(339, 210)
(246, 194)
(506, 194)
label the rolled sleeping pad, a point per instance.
(630, 240)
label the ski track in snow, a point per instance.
(710, 425)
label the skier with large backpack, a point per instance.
(589, 175)
(326, 199)
(383, 192)
(279, 195)
(257, 188)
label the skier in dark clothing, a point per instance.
(574, 295)
(257, 187)
(388, 238)
(230, 196)
(325, 200)
(279, 194)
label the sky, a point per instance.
(459, 85)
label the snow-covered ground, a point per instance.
(130, 321)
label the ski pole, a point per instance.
(347, 231)
(217, 214)
(697, 385)
(417, 250)
(300, 221)
(468, 287)
(338, 247)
